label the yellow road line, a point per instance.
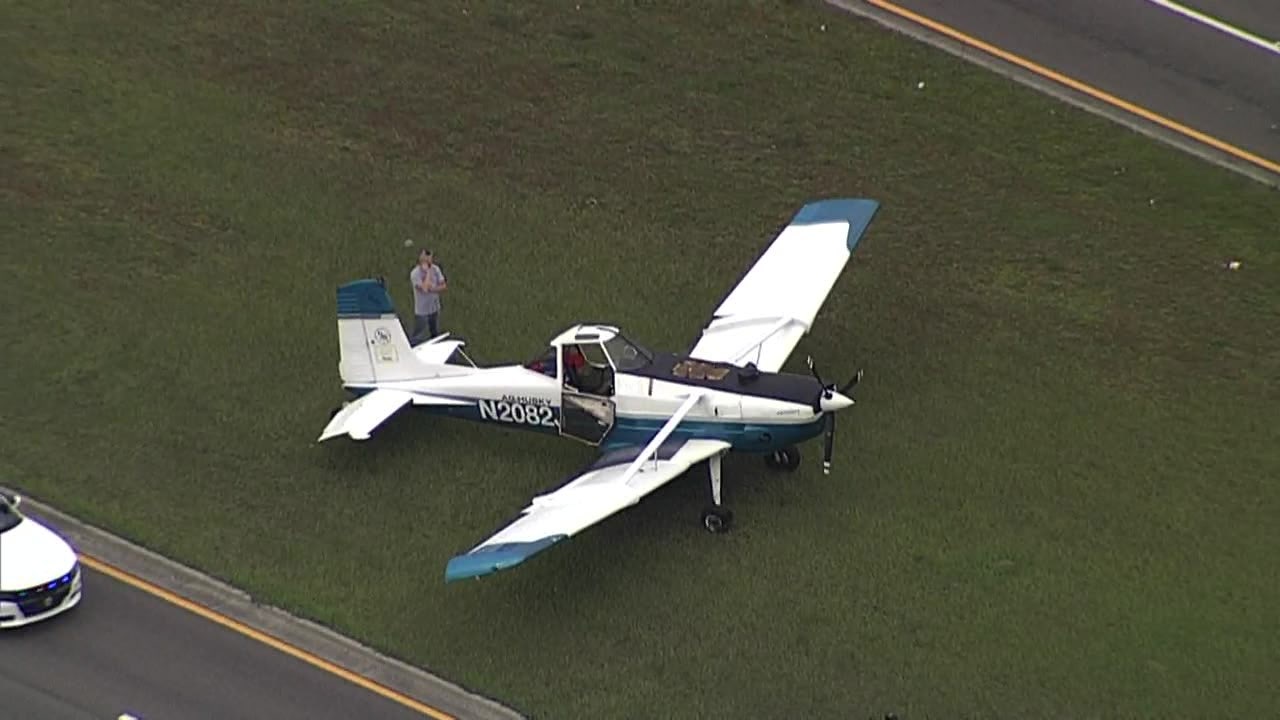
(1077, 85)
(262, 637)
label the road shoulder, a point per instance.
(237, 605)
(1085, 101)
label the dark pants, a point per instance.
(424, 322)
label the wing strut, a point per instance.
(651, 449)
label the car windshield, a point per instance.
(627, 355)
(9, 517)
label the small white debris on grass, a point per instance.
(408, 243)
(1233, 265)
(920, 85)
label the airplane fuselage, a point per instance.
(770, 412)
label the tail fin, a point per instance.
(372, 343)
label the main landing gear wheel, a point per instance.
(787, 459)
(717, 519)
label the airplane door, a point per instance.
(585, 417)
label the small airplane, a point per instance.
(650, 415)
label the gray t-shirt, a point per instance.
(425, 303)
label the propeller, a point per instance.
(828, 441)
(829, 392)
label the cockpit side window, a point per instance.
(544, 363)
(626, 355)
(594, 354)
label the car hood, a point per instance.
(31, 554)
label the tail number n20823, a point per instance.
(515, 412)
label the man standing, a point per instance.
(428, 282)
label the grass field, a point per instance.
(1057, 495)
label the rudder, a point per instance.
(372, 343)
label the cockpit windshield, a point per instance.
(9, 516)
(626, 355)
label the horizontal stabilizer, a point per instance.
(359, 418)
(438, 350)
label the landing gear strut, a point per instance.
(716, 518)
(787, 459)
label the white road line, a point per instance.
(1271, 46)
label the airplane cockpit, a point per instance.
(589, 356)
(587, 369)
(571, 356)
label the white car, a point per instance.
(39, 571)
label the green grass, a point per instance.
(1057, 494)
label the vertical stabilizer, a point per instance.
(372, 343)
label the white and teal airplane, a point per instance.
(651, 415)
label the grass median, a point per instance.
(1055, 496)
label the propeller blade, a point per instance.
(813, 369)
(826, 451)
(857, 378)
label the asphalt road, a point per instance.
(125, 651)
(1147, 55)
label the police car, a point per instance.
(39, 571)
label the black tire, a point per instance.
(717, 520)
(787, 459)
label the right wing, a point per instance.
(360, 417)
(774, 304)
(615, 481)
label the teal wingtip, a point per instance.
(486, 560)
(857, 212)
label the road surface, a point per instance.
(1217, 75)
(126, 651)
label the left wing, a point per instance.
(613, 482)
(774, 304)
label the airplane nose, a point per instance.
(836, 402)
